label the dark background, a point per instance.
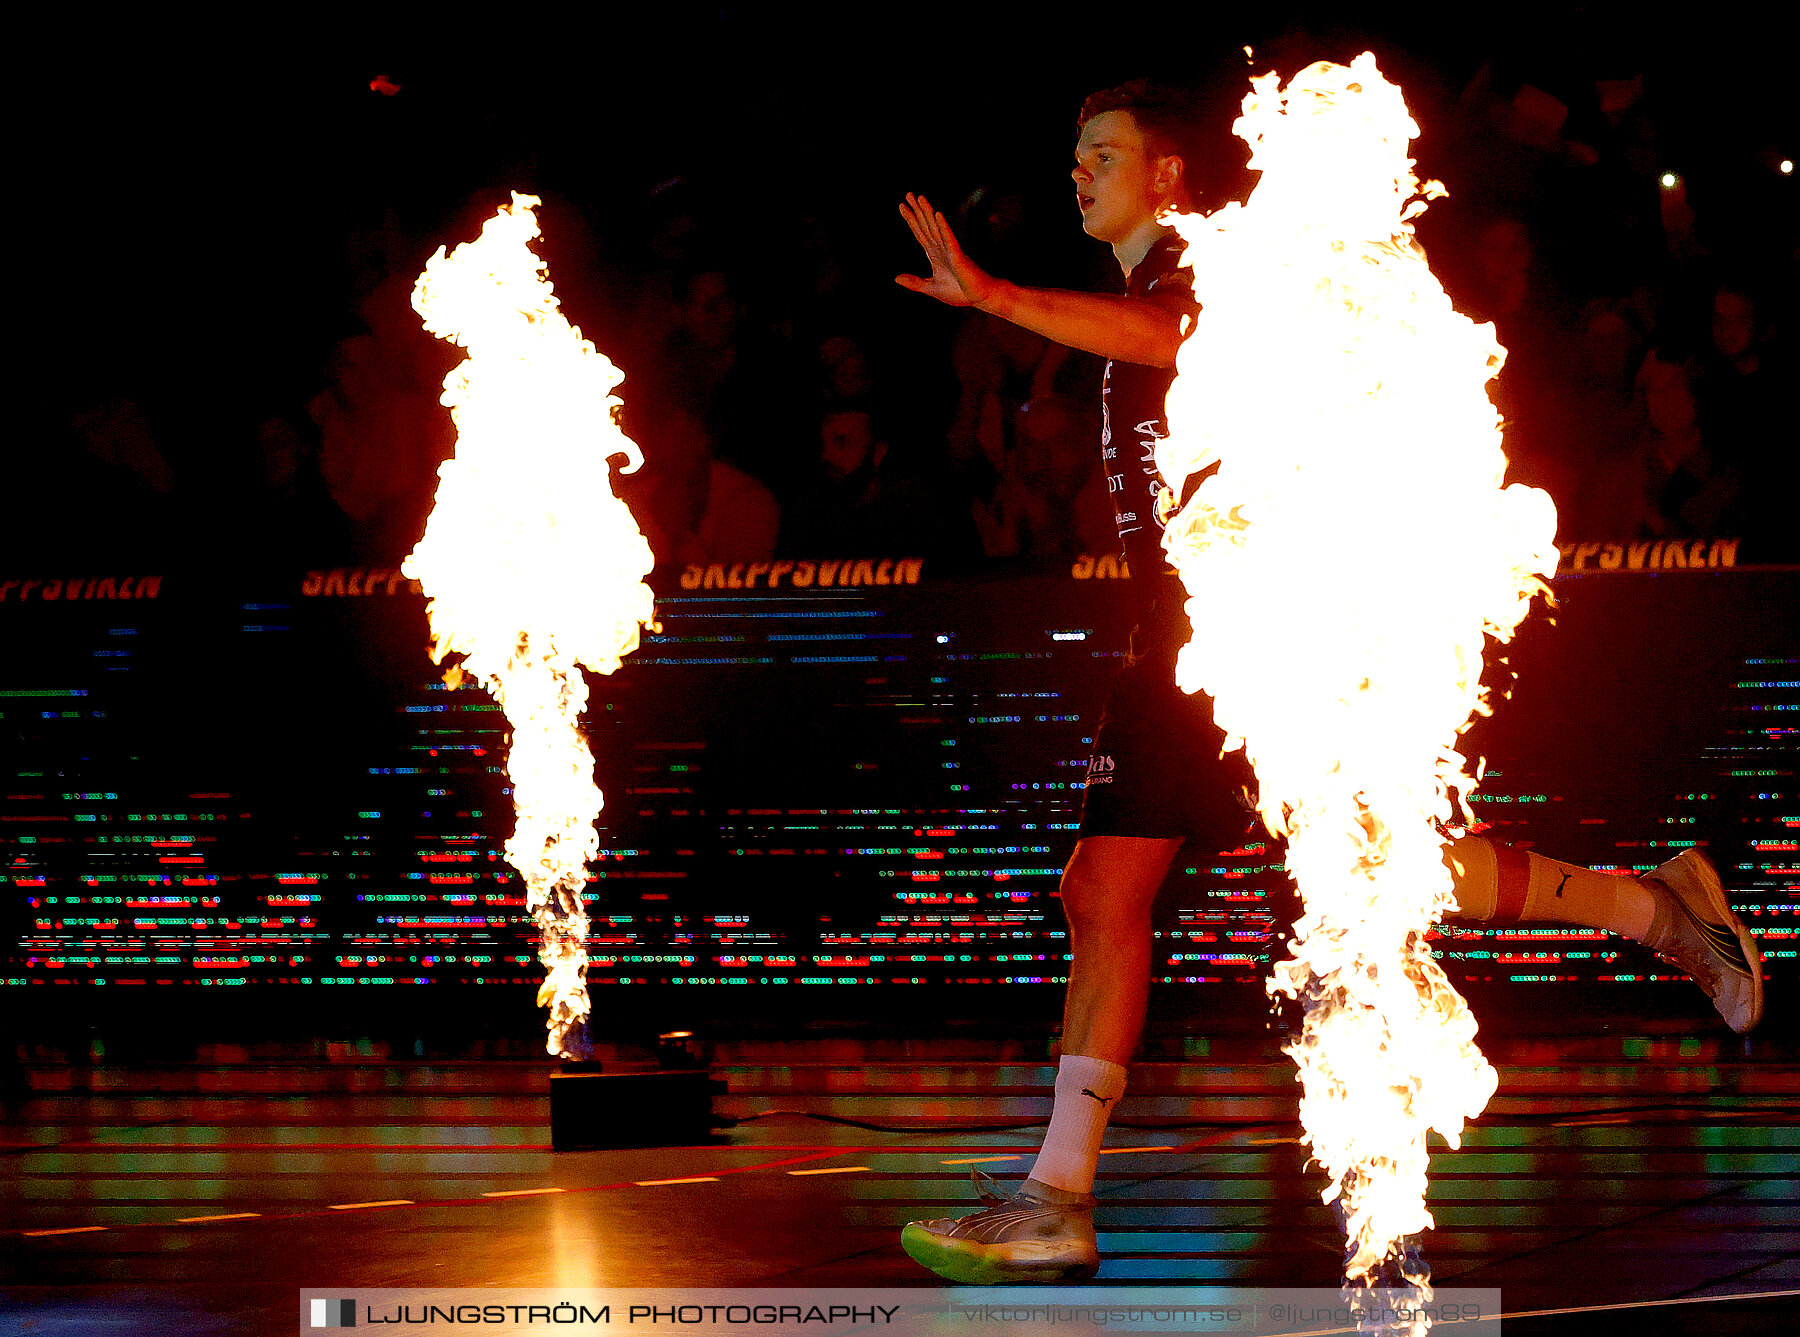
(197, 189)
(197, 202)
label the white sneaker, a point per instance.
(1695, 929)
(1040, 1234)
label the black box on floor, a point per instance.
(631, 1109)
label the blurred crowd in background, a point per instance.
(790, 400)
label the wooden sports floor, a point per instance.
(1609, 1174)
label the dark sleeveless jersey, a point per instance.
(1132, 421)
(1156, 770)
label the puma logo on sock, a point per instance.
(1104, 1100)
(1562, 884)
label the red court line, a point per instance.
(267, 1146)
(1224, 1134)
(922, 1148)
(1207, 1141)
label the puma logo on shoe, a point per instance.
(1104, 1100)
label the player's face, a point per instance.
(1115, 177)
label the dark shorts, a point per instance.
(1156, 770)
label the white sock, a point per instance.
(1086, 1091)
(1506, 885)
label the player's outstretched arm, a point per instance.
(1131, 329)
(955, 279)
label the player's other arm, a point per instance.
(1131, 329)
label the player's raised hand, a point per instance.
(954, 279)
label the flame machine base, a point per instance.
(632, 1109)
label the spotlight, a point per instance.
(1670, 181)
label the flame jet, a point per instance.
(1359, 543)
(532, 566)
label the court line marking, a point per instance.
(817, 1154)
(519, 1192)
(1651, 1304)
(980, 1160)
(830, 1170)
(1271, 1141)
(357, 1206)
(1120, 1151)
(696, 1179)
(228, 1216)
